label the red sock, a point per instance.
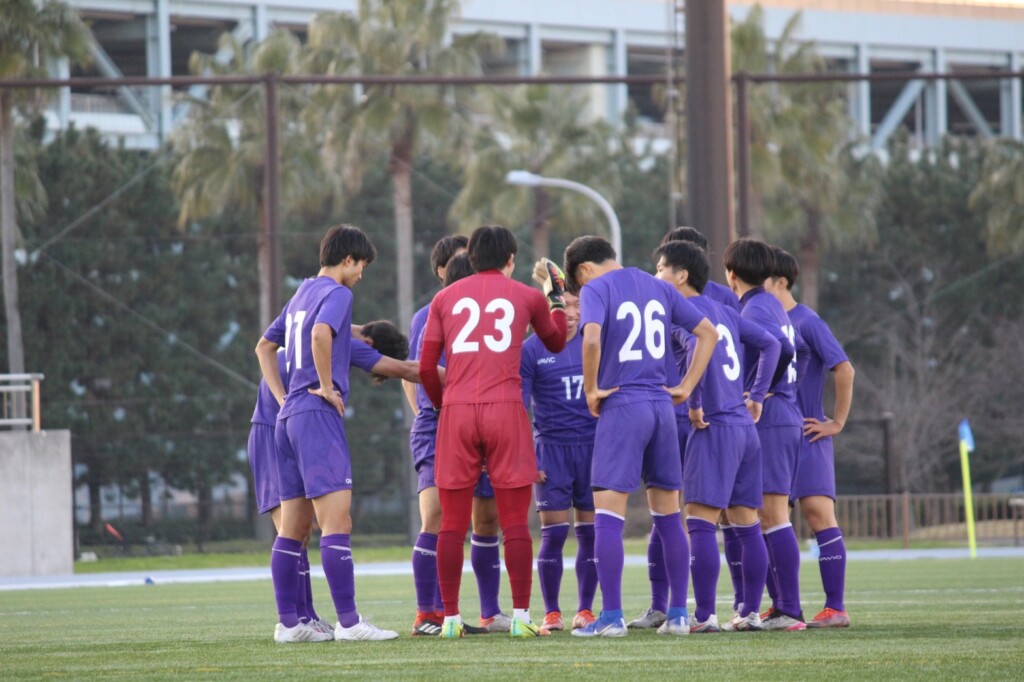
(456, 511)
(513, 509)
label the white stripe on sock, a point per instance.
(654, 513)
(749, 525)
(555, 525)
(285, 551)
(831, 541)
(477, 543)
(609, 512)
(428, 552)
(778, 527)
(580, 524)
(340, 548)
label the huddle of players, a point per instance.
(603, 419)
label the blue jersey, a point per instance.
(319, 300)
(765, 310)
(820, 353)
(719, 293)
(720, 391)
(553, 384)
(426, 416)
(635, 311)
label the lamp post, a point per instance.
(524, 178)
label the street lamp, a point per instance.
(524, 178)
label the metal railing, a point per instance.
(14, 389)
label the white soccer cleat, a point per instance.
(323, 626)
(750, 623)
(674, 626)
(599, 628)
(499, 622)
(301, 633)
(362, 632)
(784, 623)
(648, 619)
(710, 625)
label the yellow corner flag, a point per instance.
(967, 447)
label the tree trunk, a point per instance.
(204, 516)
(401, 193)
(542, 223)
(8, 228)
(146, 499)
(810, 260)
(264, 269)
(95, 501)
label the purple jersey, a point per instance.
(719, 293)
(318, 300)
(426, 416)
(554, 384)
(764, 309)
(635, 311)
(720, 391)
(819, 354)
(675, 369)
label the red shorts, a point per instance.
(472, 435)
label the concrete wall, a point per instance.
(35, 486)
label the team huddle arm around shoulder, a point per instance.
(549, 326)
(768, 359)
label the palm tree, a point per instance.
(221, 147)
(543, 131)
(811, 192)
(1000, 193)
(30, 35)
(391, 38)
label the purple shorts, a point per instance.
(637, 442)
(421, 445)
(312, 455)
(723, 467)
(425, 479)
(263, 461)
(568, 477)
(780, 446)
(815, 470)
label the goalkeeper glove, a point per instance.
(552, 280)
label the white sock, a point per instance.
(522, 614)
(456, 618)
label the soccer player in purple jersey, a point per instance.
(722, 468)
(564, 435)
(380, 350)
(484, 546)
(815, 484)
(314, 463)
(748, 263)
(624, 314)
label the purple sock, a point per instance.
(485, 556)
(610, 557)
(284, 570)
(424, 571)
(549, 563)
(336, 557)
(770, 581)
(832, 565)
(301, 599)
(677, 557)
(755, 566)
(656, 571)
(308, 580)
(438, 602)
(785, 551)
(586, 566)
(734, 559)
(705, 565)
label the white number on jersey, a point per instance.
(300, 317)
(732, 368)
(569, 381)
(502, 325)
(790, 333)
(653, 330)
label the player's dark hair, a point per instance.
(490, 247)
(750, 259)
(680, 255)
(686, 234)
(785, 266)
(459, 267)
(345, 240)
(445, 248)
(387, 338)
(582, 250)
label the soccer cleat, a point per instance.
(583, 618)
(749, 623)
(647, 620)
(521, 629)
(362, 632)
(553, 621)
(830, 618)
(784, 623)
(452, 629)
(323, 626)
(710, 625)
(772, 612)
(426, 625)
(468, 629)
(599, 628)
(299, 634)
(674, 626)
(499, 622)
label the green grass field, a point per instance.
(920, 619)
